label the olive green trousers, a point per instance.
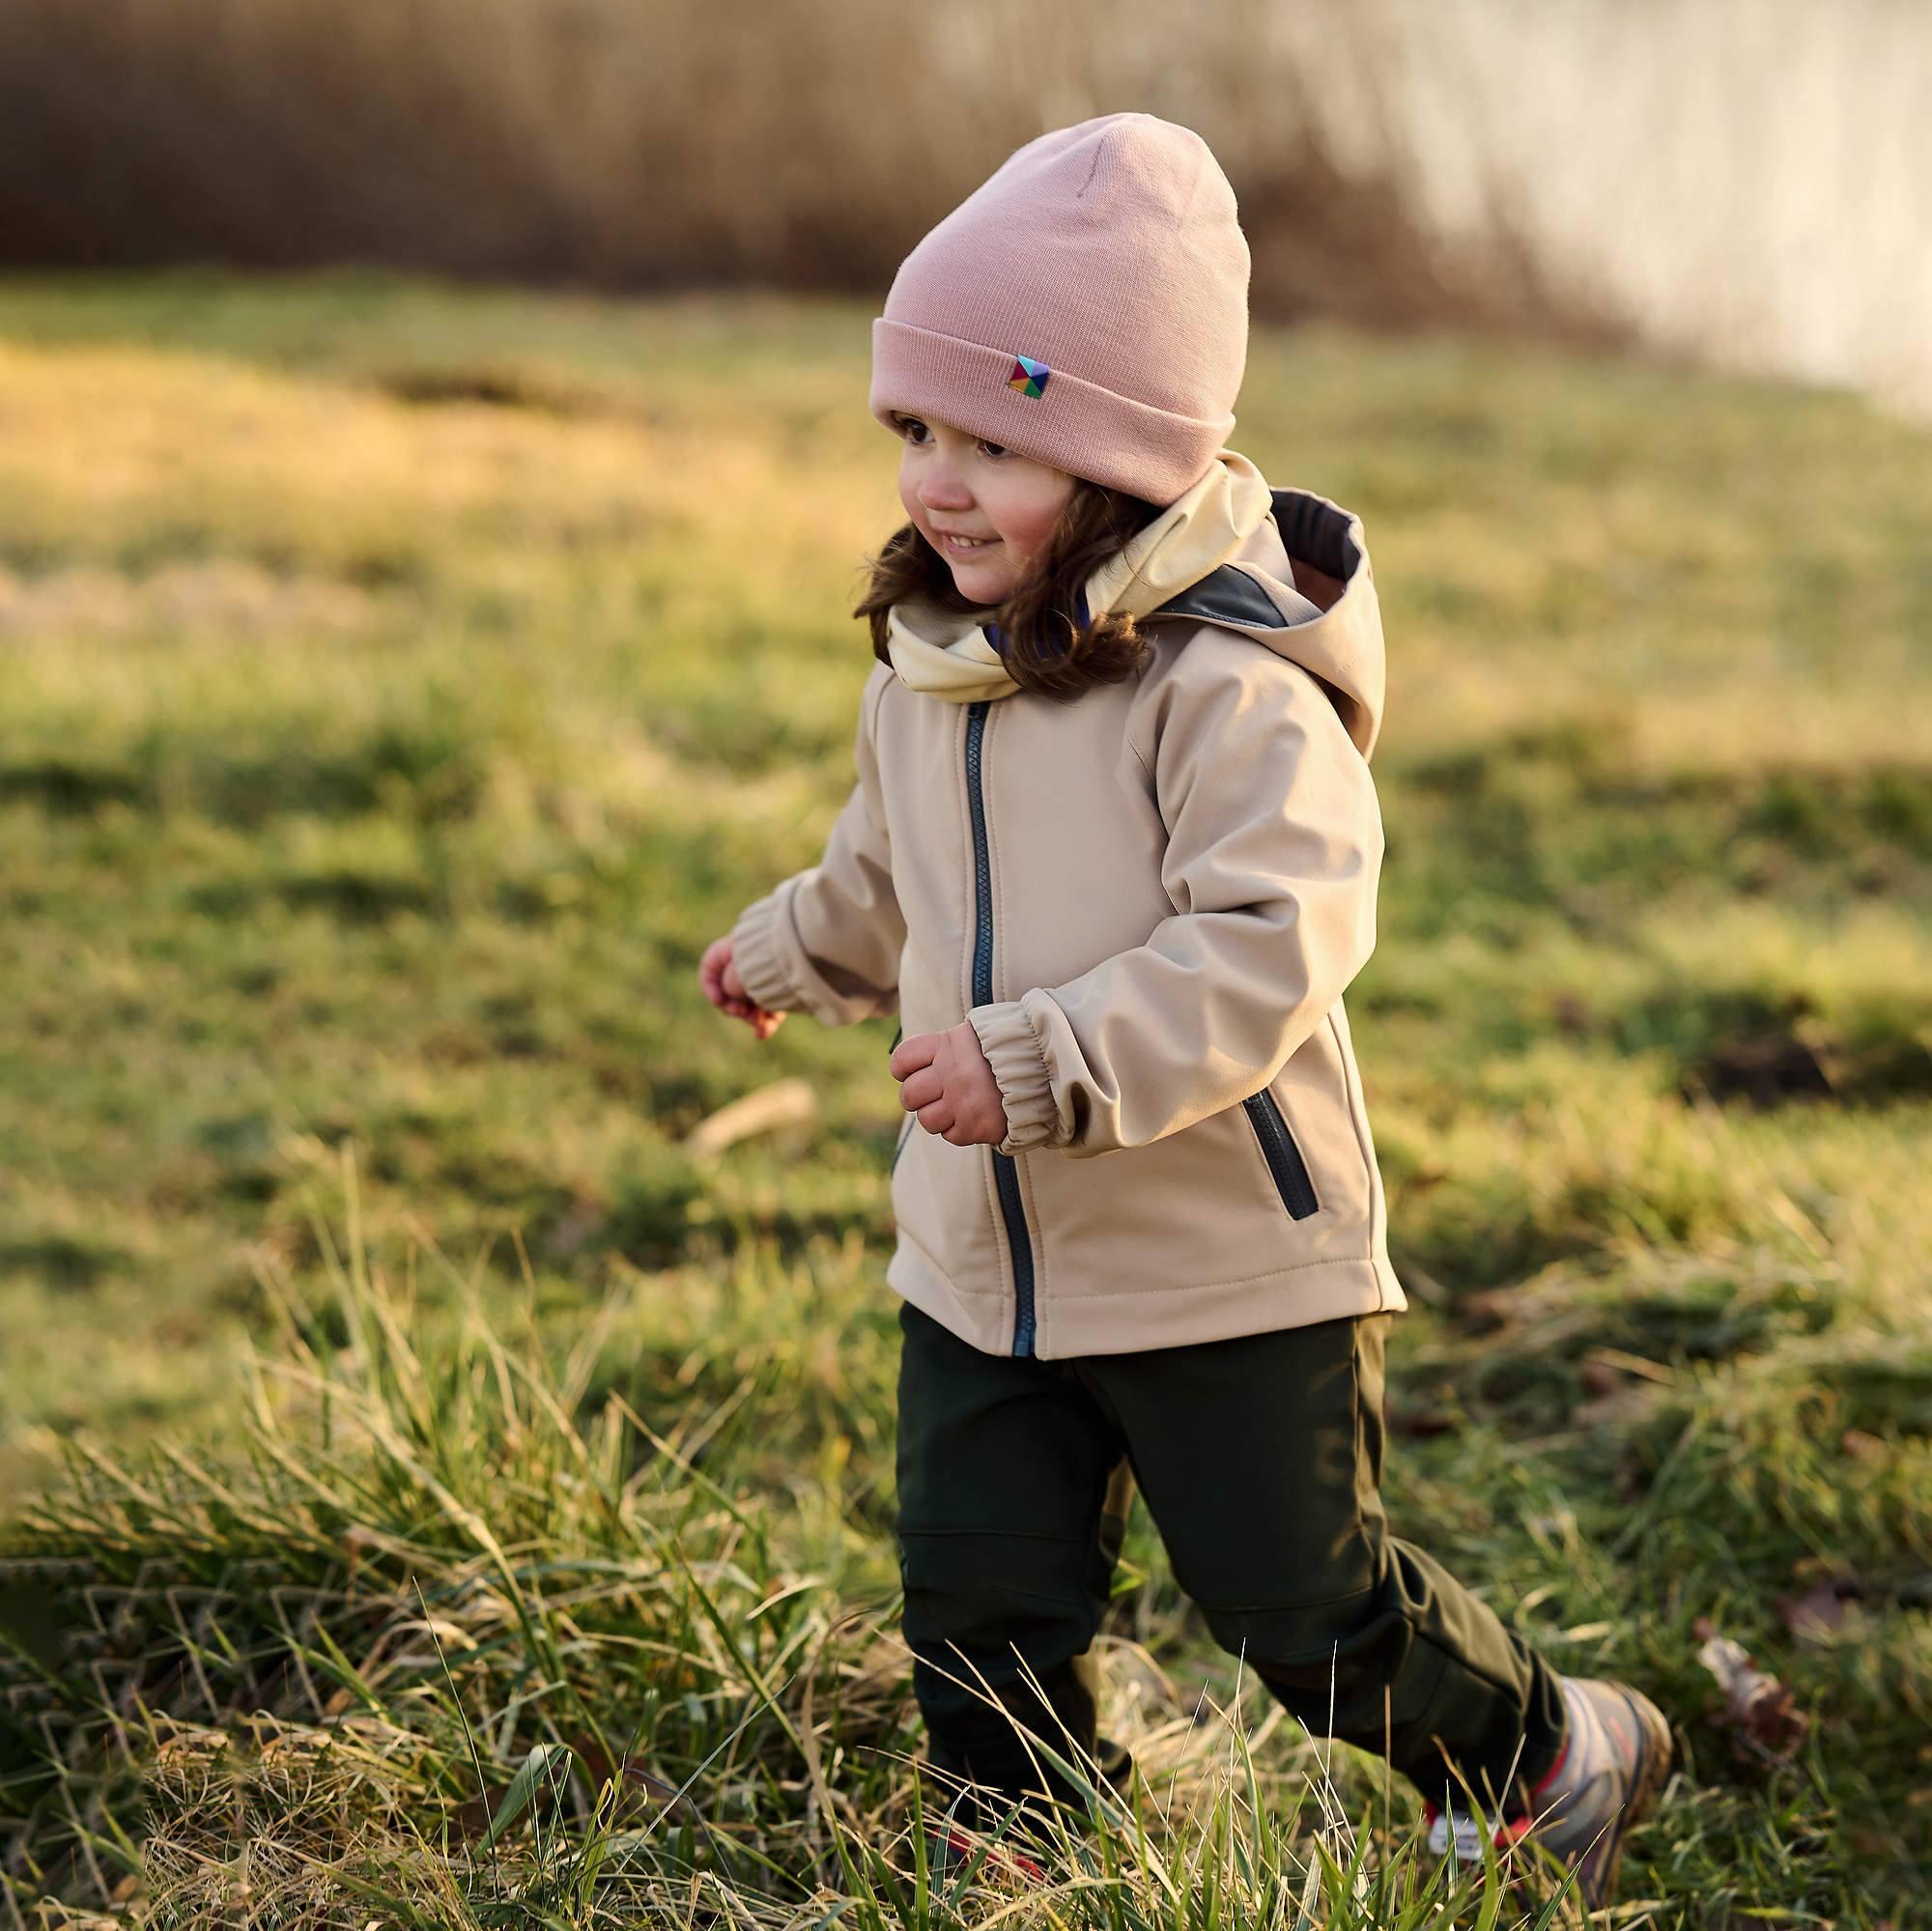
(1260, 1461)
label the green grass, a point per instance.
(401, 688)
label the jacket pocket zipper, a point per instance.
(1283, 1155)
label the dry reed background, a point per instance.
(1736, 181)
(801, 145)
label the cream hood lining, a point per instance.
(948, 655)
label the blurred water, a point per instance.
(1750, 180)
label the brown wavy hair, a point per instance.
(1047, 649)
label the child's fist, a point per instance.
(945, 1079)
(718, 975)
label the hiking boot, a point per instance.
(1616, 1751)
(949, 1846)
(952, 1843)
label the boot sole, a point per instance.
(1655, 1751)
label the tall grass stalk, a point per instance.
(448, 1644)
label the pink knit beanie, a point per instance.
(1087, 306)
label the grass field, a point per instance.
(399, 687)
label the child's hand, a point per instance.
(718, 975)
(945, 1079)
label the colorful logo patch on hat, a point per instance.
(1028, 377)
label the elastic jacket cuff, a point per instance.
(1014, 1051)
(766, 951)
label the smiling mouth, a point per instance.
(966, 545)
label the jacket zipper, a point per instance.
(905, 1125)
(1006, 1180)
(1283, 1155)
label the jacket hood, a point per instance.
(1285, 567)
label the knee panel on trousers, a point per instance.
(991, 1594)
(1305, 1650)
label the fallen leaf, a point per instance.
(1571, 1013)
(1758, 1708)
(784, 1102)
(1622, 1361)
(575, 1227)
(471, 1818)
(660, 1790)
(1417, 1424)
(1484, 1311)
(1599, 1378)
(1819, 1613)
(1621, 1402)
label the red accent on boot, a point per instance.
(963, 1846)
(1509, 1828)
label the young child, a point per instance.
(1111, 856)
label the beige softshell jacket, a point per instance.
(1147, 901)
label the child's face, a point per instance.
(954, 484)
